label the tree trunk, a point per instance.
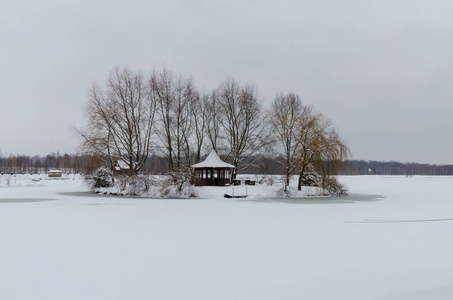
(299, 183)
(287, 178)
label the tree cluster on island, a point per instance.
(133, 116)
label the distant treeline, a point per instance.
(157, 164)
(361, 167)
(68, 163)
(84, 164)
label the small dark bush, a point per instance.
(335, 188)
(311, 177)
(101, 178)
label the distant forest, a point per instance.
(361, 167)
(156, 164)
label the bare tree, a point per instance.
(189, 129)
(120, 120)
(161, 90)
(176, 98)
(243, 123)
(285, 115)
(199, 113)
(214, 119)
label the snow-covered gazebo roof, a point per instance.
(212, 161)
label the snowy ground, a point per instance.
(60, 242)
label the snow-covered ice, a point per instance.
(391, 239)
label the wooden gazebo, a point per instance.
(213, 171)
(54, 173)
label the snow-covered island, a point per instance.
(264, 186)
(209, 179)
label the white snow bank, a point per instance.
(86, 246)
(269, 186)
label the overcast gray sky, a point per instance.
(381, 70)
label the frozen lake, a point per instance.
(391, 239)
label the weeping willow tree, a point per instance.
(307, 142)
(321, 148)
